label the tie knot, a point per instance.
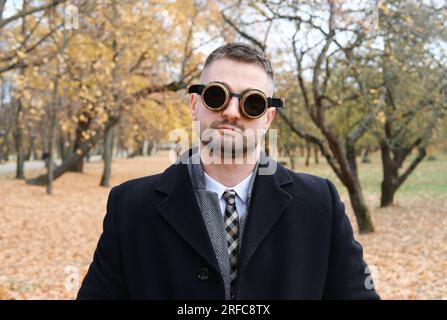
(229, 196)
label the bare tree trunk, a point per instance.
(45, 143)
(390, 176)
(31, 154)
(387, 193)
(138, 151)
(53, 125)
(4, 146)
(147, 147)
(108, 134)
(391, 180)
(308, 152)
(61, 146)
(84, 120)
(316, 154)
(120, 148)
(73, 159)
(4, 128)
(358, 202)
(7, 150)
(267, 148)
(351, 159)
(107, 156)
(291, 157)
(152, 146)
(78, 165)
(2, 155)
(18, 135)
(18, 140)
(51, 140)
(64, 144)
(361, 210)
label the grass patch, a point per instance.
(430, 177)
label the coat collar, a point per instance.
(180, 209)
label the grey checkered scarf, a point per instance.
(212, 216)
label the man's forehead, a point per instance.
(238, 75)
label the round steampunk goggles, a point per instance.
(253, 103)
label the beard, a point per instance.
(230, 145)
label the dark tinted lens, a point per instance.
(214, 97)
(254, 105)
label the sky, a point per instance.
(11, 7)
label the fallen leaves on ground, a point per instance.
(47, 242)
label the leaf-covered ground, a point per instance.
(47, 242)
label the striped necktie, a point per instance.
(231, 218)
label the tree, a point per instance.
(330, 52)
(26, 41)
(414, 86)
(126, 62)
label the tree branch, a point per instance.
(26, 12)
(313, 139)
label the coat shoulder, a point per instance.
(310, 184)
(314, 194)
(142, 183)
(136, 193)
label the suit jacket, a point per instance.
(297, 244)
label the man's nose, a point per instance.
(232, 112)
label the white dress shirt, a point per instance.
(241, 193)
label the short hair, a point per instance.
(241, 52)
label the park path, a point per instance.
(10, 166)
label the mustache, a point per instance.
(217, 124)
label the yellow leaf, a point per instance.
(21, 54)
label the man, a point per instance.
(209, 228)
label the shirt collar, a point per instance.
(241, 188)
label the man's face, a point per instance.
(238, 76)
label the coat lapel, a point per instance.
(268, 202)
(180, 209)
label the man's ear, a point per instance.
(271, 112)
